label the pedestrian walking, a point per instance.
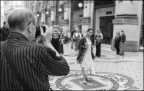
(85, 56)
(25, 65)
(76, 38)
(117, 43)
(39, 32)
(43, 26)
(72, 39)
(99, 37)
(122, 43)
(67, 43)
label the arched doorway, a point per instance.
(106, 27)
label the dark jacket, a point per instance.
(92, 39)
(34, 63)
(82, 50)
(1, 35)
(5, 31)
(117, 41)
(123, 38)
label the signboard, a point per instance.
(83, 21)
(64, 22)
(126, 20)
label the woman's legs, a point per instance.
(98, 50)
(92, 70)
(84, 75)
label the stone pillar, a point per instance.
(128, 18)
(53, 14)
(67, 11)
(88, 12)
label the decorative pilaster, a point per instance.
(87, 21)
(128, 18)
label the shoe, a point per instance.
(84, 82)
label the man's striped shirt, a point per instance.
(34, 62)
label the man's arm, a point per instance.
(54, 65)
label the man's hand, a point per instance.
(47, 36)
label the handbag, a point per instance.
(13, 68)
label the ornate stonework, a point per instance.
(99, 81)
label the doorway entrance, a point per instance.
(106, 27)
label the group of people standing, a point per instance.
(119, 43)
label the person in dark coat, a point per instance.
(117, 43)
(5, 31)
(92, 39)
(122, 43)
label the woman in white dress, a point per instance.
(85, 56)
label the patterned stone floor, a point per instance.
(112, 73)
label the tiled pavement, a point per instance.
(129, 68)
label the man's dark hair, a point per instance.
(4, 22)
(89, 29)
(122, 30)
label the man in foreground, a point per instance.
(32, 62)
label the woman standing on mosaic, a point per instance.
(85, 56)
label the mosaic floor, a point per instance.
(99, 81)
(112, 73)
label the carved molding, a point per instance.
(129, 20)
(83, 20)
(64, 22)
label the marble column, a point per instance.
(88, 12)
(67, 11)
(128, 16)
(53, 14)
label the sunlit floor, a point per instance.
(112, 73)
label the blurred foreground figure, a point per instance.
(25, 65)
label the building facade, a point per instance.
(8, 6)
(110, 16)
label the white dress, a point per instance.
(88, 61)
